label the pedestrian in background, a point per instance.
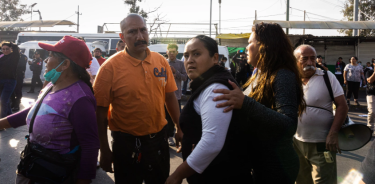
(353, 74)
(8, 75)
(270, 106)
(120, 46)
(320, 64)
(370, 91)
(317, 130)
(98, 56)
(17, 94)
(36, 66)
(179, 74)
(340, 65)
(241, 67)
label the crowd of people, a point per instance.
(267, 119)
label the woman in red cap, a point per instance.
(63, 118)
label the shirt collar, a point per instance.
(135, 61)
(318, 71)
(172, 61)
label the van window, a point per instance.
(114, 43)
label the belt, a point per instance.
(143, 137)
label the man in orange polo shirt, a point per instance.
(136, 83)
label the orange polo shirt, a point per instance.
(135, 90)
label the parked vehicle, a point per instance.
(109, 39)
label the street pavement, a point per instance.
(12, 142)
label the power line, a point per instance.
(314, 14)
(270, 6)
(333, 3)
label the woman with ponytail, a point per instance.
(65, 121)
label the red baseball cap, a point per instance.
(72, 48)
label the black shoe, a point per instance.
(15, 109)
(357, 103)
(30, 92)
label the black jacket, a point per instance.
(8, 63)
(223, 169)
(21, 67)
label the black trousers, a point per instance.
(17, 93)
(353, 87)
(340, 78)
(154, 164)
(241, 78)
(36, 79)
(171, 128)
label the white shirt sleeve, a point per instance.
(335, 84)
(94, 67)
(215, 124)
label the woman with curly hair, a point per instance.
(270, 106)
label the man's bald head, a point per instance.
(124, 21)
(301, 48)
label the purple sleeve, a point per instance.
(18, 119)
(83, 118)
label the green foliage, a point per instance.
(12, 10)
(368, 9)
(136, 9)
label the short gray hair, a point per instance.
(132, 15)
(297, 50)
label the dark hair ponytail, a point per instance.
(209, 43)
(81, 72)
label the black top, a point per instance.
(341, 66)
(36, 65)
(221, 63)
(271, 132)
(231, 165)
(370, 89)
(318, 66)
(8, 64)
(241, 65)
(21, 67)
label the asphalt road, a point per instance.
(12, 143)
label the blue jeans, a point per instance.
(6, 89)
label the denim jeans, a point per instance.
(6, 89)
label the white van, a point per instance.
(162, 49)
(29, 48)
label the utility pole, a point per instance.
(31, 12)
(256, 16)
(78, 14)
(287, 15)
(210, 15)
(40, 17)
(304, 19)
(355, 16)
(220, 16)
